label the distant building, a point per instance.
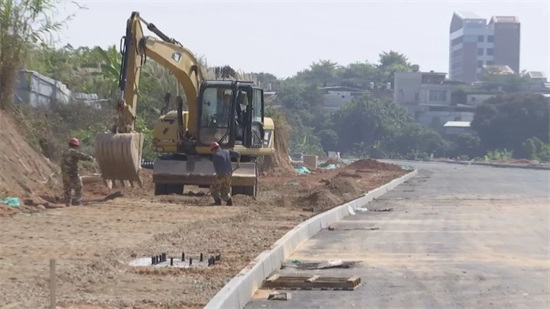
(536, 76)
(506, 43)
(474, 43)
(428, 97)
(335, 97)
(454, 128)
(476, 98)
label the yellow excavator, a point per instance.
(230, 112)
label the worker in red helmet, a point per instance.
(69, 172)
(221, 186)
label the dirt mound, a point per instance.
(343, 185)
(7, 211)
(98, 189)
(23, 170)
(331, 193)
(319, 199)
(369, 164)
(279, 163)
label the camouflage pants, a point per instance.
(69, 184)
(221, 185)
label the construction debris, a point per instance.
(279, 296)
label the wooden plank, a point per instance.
(52, 284)
(315, 282)
(273, 278)
(312, 278)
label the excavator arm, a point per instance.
(170, 54)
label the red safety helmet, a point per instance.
(214, 145)
(74, 142)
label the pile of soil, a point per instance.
(332, 192)
(369, 164)
(23, 170)
(7, 211)
(98, 189)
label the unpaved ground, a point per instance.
(93, 243)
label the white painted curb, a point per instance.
(239, 291)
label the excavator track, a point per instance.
(119, 158)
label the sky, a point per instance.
(284, 37)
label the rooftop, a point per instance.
(535, 74)
(457, 124)
(468, 15)
(504, 19)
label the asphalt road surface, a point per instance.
(457, 237)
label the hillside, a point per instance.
(23, 171)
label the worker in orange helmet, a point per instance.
(221, 186)
(69, 172)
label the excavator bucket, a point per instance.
(119, 158)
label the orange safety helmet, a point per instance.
(214, 145)
(74, 142)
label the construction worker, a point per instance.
(69, 171)
(221, 186)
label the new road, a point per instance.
(452, 237)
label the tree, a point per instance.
(391, 58)
(391, 62)
(329, 139)
(505, 122)
(368, 120)
(467, 144)
(534, 149)
(357, 75)
(322, 73)
(508, 83)
(23, 24)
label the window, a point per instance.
(456, 41)
(438, 95)
(416, 97)
(481, 38)
(480, 63)
(473, 99)
(490, 51)
(490, 38)
(458, 118)
(257, 106)
(216, 107)
(480, 51)
(215, 115)
(490, 62)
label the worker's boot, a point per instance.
(217, 202)
(229, 202)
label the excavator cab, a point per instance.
(231, 113)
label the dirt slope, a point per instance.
(23, 171)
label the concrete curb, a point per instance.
(502, 165)
(239, 290)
